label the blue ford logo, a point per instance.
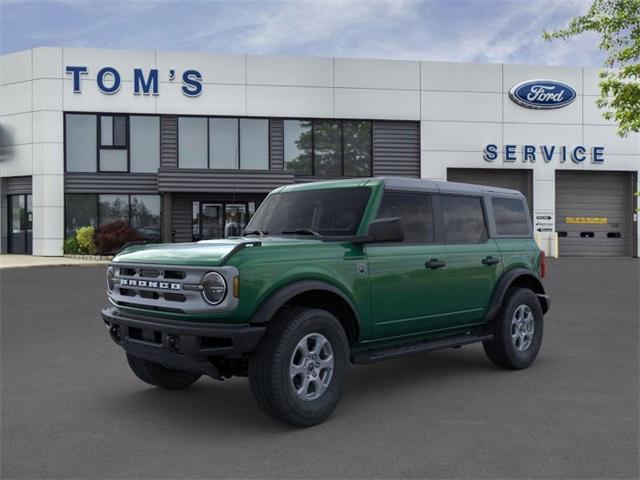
(542, 94)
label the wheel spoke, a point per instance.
(311, 366)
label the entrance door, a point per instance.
(20, 223)
(211, 221)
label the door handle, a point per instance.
(490, 260)
(434, 264)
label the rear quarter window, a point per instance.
(510, 216)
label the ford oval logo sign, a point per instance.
(542, 94)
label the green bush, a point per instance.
(71, 245)
(84, 237)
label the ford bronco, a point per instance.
(332, 273)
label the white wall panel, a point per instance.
(571, 114)
(592, 114)
(48, 126)
(15, 129)
(461, 77)
(214, 100)
(47, 222)
(377, 104)
(47, 94)
(461, 106)
(124, 61)
(459, 136)
(392, 74)
(213, 68)
(542, 134)
(15, 67)
(15, 98)
(289, 101)
(290, 71)
(48, 190)
(47, 62)
(591, 77)
(48, 247)
(614, 144)
(93, 100)
(16, 161)
(48, 159)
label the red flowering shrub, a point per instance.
(111, 237)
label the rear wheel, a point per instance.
(298, 371)
(517, 330)
(160, 376)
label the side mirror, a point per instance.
(386, 230)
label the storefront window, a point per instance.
(192, 142)
(235, 219)
(254, 144)
(297, 146)
(357, 148)
(144, 144)
(112, 208)
(145, 216)
(212, 220)
(223, 142)
(80, 211)
(327, 141)
(80, 142)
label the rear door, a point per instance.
(474, 262)
(407, 297)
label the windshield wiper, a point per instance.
(302, 231)
(255, 232)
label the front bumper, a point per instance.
(180, 345)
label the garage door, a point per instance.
(593, 213)
(521, 180)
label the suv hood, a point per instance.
(203, 253)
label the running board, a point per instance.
(373, 356)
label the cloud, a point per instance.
(454, 30)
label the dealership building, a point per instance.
(185, 146)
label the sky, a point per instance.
(486, 31)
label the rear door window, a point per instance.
(463, 219)
(415, 211)
(510, 216)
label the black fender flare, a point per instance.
(277, 299)
(506, 280)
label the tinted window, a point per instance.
(510, 216)
(336, 211)
(223, 142)
(145, 216)
(415, 211)
(463, 219)
(80, 142)
(113, 160)
(80, 211)
(112, 208)
(357, 149)
(254, 144)
(145, 143)
(192, 142)
(327, 138)
(297, 146)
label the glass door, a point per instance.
(235, 219)
(210, 221)
(20, 224)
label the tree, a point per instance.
(618, 23)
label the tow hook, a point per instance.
(114, 331)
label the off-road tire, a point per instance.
(501, 349)
(269, 366)
(160, 376)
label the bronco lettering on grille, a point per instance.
(130, 282)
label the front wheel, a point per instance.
(517, 330)
(298, 371)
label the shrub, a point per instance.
(111, 237)
(71, 245)
(84, 237)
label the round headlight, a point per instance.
(214, 288)
(111, 273)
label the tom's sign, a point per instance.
(542, 94)
(108, 80)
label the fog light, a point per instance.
(214, 288)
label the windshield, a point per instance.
(325, 212)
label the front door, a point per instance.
(408, 296)
(20, 223)
(211, 221)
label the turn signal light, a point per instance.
(236, 287)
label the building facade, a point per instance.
(185, 146)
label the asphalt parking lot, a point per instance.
(71, 408)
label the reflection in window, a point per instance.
(254, 144)
(80, 211)
(463, 219)
(510, 216)
(145, 216)
(327, 148)
(297, 146)
(357, 148)
(192, 142)
(112, 208)
(223, 142)
(145, 143)
(80, 142)
(415, 211)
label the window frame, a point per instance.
(98, 116)
(234, 117)
(100, 147)
(485, 217)
(341, 121)
(434, 200)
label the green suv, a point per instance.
(332, 273)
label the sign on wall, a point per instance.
(109, 80)
(587, 220)
(544, 220)
(542, 94)
(545, 153)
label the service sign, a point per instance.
(544, 220)
(542, 94)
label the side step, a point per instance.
(373, 356)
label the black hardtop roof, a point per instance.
(426, 185)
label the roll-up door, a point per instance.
(515, 179)
(594, 213)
